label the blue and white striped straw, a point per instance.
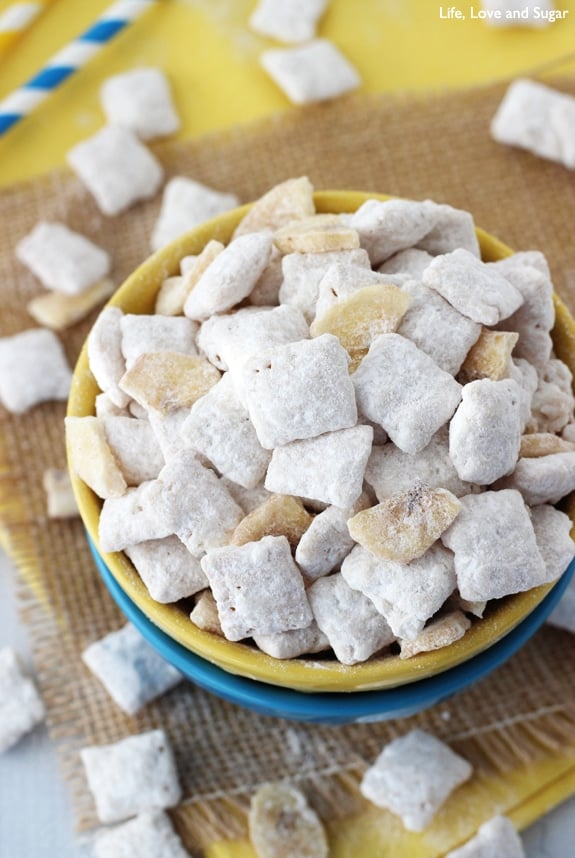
(67, 61)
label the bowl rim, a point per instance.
(137, 295)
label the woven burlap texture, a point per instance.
(436, 147)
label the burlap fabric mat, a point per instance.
(518, 726)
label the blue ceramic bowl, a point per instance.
(332, 707)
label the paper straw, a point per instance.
(67, 61)
(15, 20)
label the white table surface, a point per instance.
(35, 812)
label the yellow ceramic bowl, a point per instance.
(137, 295)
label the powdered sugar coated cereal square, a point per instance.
(315, 72)
(286, 20)
(186, 204)
(167, 569)
(107, 363)
(141, 101)
(303, 272)
(386, 227)
(21, 706)
(33, 369)
(149, 835)
(141, 334)
(497, 837)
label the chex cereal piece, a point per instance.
(543, 480)
(57, 311)
(411, 262)
(141, 334)
(186, 204)
(563, 616)
(130, 669)
(63, 260)
(413, 777)
(33, 369)
(526, 377)
(167, 428)
(60, 498)
(280, 515)
(219, 428)
(287, 21)
(476, 608)
(477, 291)
(544, 444)
(247, 499)
(105, 356)
(135, 774)
(519, 13)
(316, 71)
(21, 706)
(282, 824)
(92, 458)
(149, 835)
(553, 534)
(389, 470)
(403, 389)
(350, 621)
(327, 468)
(407, 595)
(299, 390)
(132, 518)
(141, 101)
(403, 526)
(388, 227)
(489, 356)
(485, 431)
(497, 836)
(168, 381)
(327, 541)
(267, 289)
(439, 633)
(452, 228)
(116, 168)
(437, 328)
(272, 601)
(167, 569)
(105, 407)
(284, 203)
(537, 118)
(205, 614)
(293, 643)
(231, 276)
(134, 447)
(552, 403)
(341, 281)
(171, 298)
(494, 545)
(303, 272)
(320, 233)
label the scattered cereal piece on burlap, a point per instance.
(316, 71)
(185, 205)
(60, 498)
(167, 381)
(497, 836)
(167, 569)
(440, 632)
(320, 233)
(21, 706)
(148, 835)
(284, 203)
(57, 311)
(387, 227)
(283, 825)
(33, 369)
(280, 515)
(140, 100)
(205, 614)
(293, 643)
(489, 356)
(92, 458)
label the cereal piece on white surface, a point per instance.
(413, 777)
(60, 498)
(287, 21)
(205, 614)
(247, 499)
(105, 356)
(349, 620)
(168, 381)
(327, 468)
(563, 616)
(327, 542)
(519, 13)
(92, 458)
(280, 515)
(521, 371)
(439, 633)
(316, 71)
(116, 168)
(135, 774)
(148, 835)
(141, 101)
(303, 272)
(167, 569)
(156, 333)
(281, 824)
(485, 431)
(437, 328)
(543, 444)
(293, 643)
(132, 518)
(230, 277)
(497, 836)
(403, 389)
(33, 369)
(185, 205)
(413, 261)
(134, 447)
(489, 357)
(493, 540)
(130, 669)
(299, 390)
(553, 402)
(267, 289)
(535, 117)
(543, 480)
(57, 311)
(284, 203)
(219, 428)
(407, 595)
(21, 706)
(271, 601)
(387, 227)
(478, 291)
(553, 534)
(402, 527)
(63, 260)
(452, 228)
(389, 470)
(320, 233)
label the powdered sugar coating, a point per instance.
(21, 706)
(141, 101)
(497, 836)
(167, 569)
(148, 835)
(185, 205)
(33, 369)
(314, 72)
